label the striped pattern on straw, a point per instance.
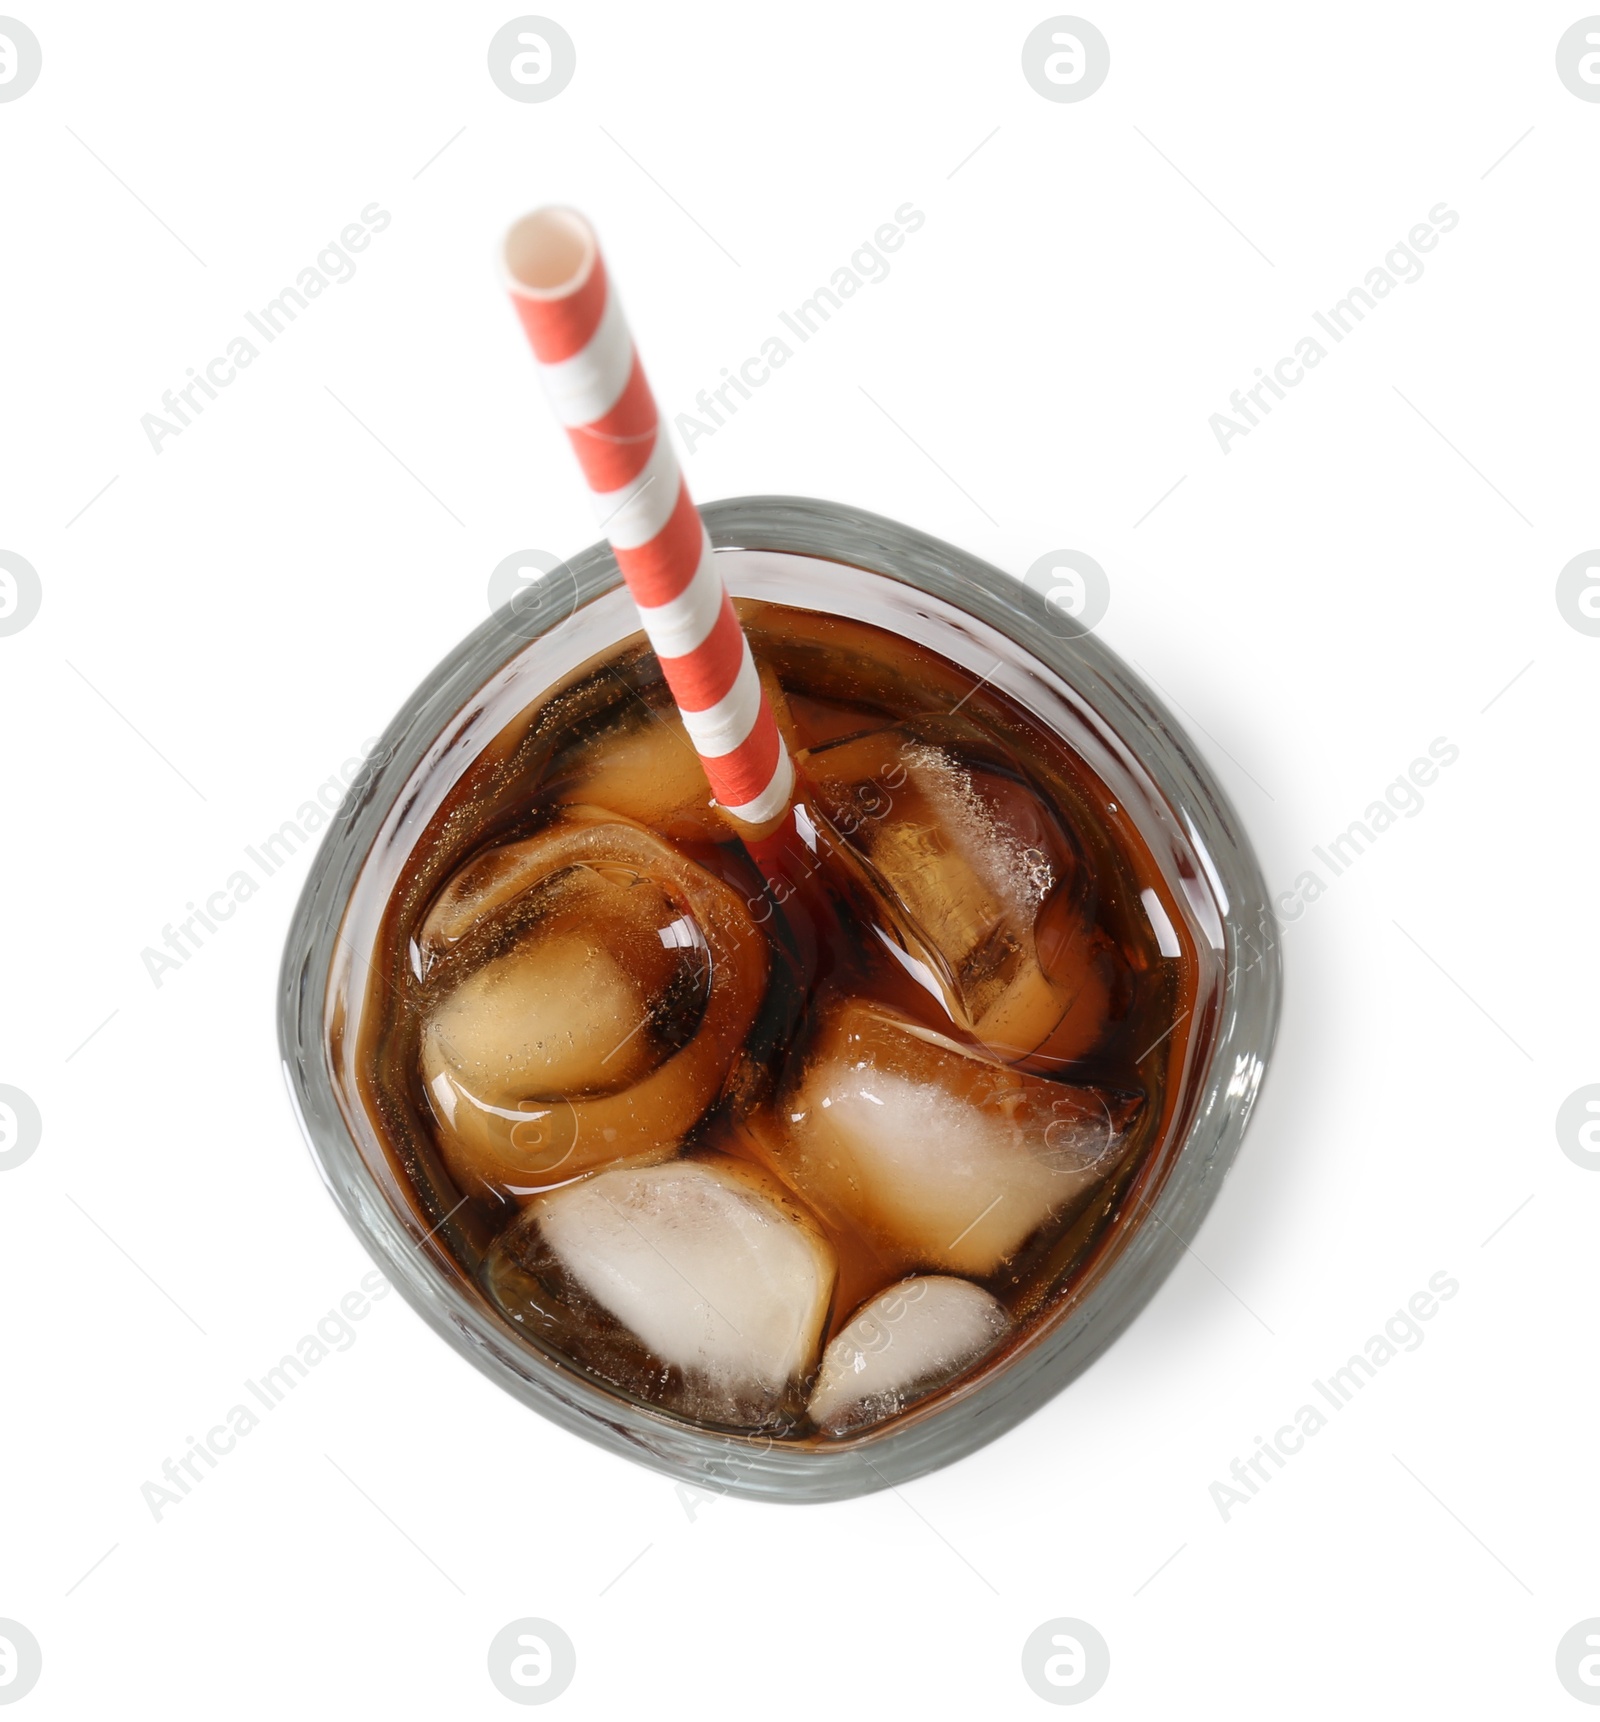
(596, 386)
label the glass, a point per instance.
(819, 556)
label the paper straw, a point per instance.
(596, 386)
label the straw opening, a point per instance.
(549, 254)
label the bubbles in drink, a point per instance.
(765, 1187)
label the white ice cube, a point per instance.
(710, 1265)
(941, 1156)
(900, 1346)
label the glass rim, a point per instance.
(1227, 1086)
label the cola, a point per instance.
(753, 1180)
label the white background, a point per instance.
(1321, 602)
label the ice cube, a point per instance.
(937, 1154)
(575, 1005)
(644, 767)
(700, 1286)
(977, 888)
(591, 988)
(900, 1346)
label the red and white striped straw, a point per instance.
(596, 385)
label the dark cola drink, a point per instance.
(756, 1184)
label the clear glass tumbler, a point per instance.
(818, 556)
